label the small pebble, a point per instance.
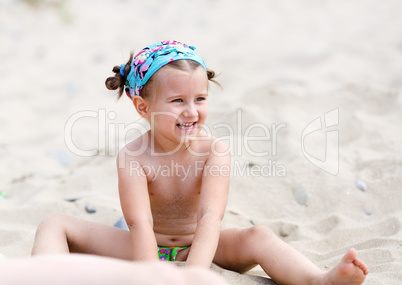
(72, 198)
(361, 185)
(251, 164)
(71, 87)
(90, 209)
(63, 157)
(234, 213)
(286, 229)
(121, 223)
(3, 195)
(252, 222)
(368, 212)
(300, 195)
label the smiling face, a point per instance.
(177, 106)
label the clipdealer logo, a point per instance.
(112, 136)
(329, 124)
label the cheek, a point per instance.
(164, 114)
(204, 110)
(168, 119)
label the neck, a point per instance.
(162, 146)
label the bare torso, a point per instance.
(174, 204)
(174, 187)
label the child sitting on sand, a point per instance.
(177, 215)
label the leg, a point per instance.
(85, 269)
(240, 250)
(63, 234)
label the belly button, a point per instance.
(173, 239)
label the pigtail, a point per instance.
(118, 80)
(211, 77)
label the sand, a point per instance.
(311, 98)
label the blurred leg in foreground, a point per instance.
(86, 269)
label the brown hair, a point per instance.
(118, 81)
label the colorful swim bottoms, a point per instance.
(169, 253)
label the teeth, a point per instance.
(186, 125)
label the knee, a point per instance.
(50, 236)
(259, 233)
(52, 222)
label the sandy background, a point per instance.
(280, 62)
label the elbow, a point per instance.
(135, 224)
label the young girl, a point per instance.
(176, 214)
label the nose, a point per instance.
(190, 111)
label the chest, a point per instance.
(173, 186)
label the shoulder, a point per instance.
(135, 150)
(220, 147)
(213, 147)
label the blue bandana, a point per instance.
(152, 58)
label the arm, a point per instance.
(134, 199)
(213, 200)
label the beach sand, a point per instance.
(310, 106)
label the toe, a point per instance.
(361, 265)
(350, 256)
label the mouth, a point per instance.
(187, 126)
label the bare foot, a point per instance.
(350, 271)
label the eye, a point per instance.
(177, 100)
(198, 99)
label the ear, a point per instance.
(142, 106)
